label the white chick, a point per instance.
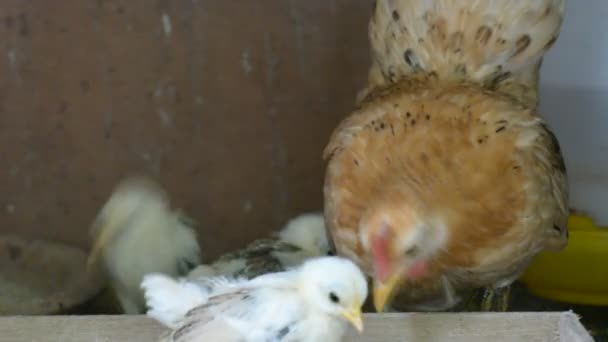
(137, 233)
(302, 238)
(313, 302)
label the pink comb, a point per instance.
(379, 251)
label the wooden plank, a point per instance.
(412, 327)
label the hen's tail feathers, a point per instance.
(169, 300)
(498, 43)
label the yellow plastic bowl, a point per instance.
(579, 273)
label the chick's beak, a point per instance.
(353, 316)
(384, 291)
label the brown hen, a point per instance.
(445, 179)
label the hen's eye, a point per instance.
(412, 251)
(334, 298)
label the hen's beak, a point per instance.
(353, 315)
(384, 291)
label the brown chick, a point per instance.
(445, 179)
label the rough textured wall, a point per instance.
(228, 103)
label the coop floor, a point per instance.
(594, 318)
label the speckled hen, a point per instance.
(445, 178)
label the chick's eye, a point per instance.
(334, 298)
(412, 251)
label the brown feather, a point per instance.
(498, 43)
(448, 127)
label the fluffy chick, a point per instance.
(445, 178)
(303, 237)
(136, 233)
(313, 302)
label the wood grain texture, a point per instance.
(473, 327)
(227, 103)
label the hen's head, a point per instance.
(401, 239)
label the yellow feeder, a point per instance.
(579, 273)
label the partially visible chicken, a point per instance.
(445, 178)
(137, 233)
(302, 238)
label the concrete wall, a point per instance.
(228, 103)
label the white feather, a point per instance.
(287, 306)
(169, 300)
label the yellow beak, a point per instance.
(384, 292)
(354, 317)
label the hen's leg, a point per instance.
(504, 299)
(488, 297)
(496, 299)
